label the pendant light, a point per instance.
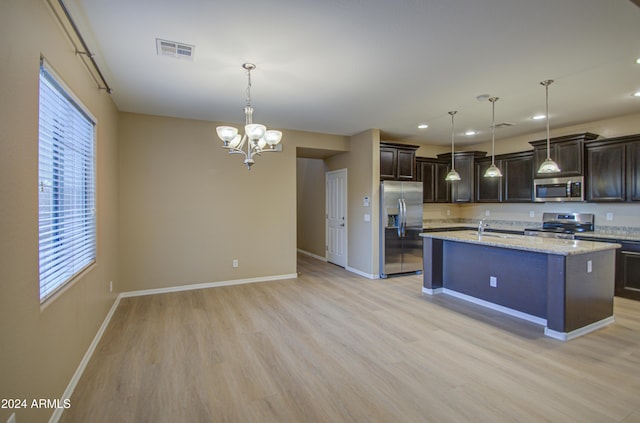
(548, 166)
(493, 171)
(452, 175)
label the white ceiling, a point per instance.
(344, 66)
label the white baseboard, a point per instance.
(361, 273)
(566, 336)
(506, 310)
(55, 417)
(431, 291)
(85, 360)
(315, 256)
(206, 285)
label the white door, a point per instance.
(336, 213)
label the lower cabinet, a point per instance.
(628, 270)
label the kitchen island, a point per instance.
(565, 285)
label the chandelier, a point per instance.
(256, 138)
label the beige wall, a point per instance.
(606, 128)
(188, 208)
(310, 199)
(40, 349)
(363, 174)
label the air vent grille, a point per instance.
(174, 49)
(504, 124)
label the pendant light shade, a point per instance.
(452, 175)
(548, 166)
(493, 171)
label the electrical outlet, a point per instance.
(12, 418)
(493, 281)
(487, 212)
(235, 262)
(532, 213)
(110, 286)
(589, 266)
(448, 212)
(367, 217)
(609, 216)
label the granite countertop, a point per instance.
(535, 244)
(604, 232)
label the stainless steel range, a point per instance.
(563, 225)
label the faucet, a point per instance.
(481, 226)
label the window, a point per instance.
(66, 212)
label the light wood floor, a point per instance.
(334, 347)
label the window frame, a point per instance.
(66, 161)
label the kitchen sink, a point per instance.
(493, 235)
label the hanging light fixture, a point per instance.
(452, 175)
(256, 137)
(548, 166)
(493, 171)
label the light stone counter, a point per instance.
(563, 247)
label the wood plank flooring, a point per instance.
(331, 346)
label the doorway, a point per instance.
(336, 217)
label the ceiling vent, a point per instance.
(504, 124)
(174, 49)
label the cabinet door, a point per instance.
(488, 190)
(426, 174)
(406, 165)
(518, 179)
(633, 171)
(388, 163)
(441, 187)
(628, 272)
(606, 177)
(569, 155)
(462, 191)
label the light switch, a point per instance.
(365, 202)
(367, 217)
(589, 266)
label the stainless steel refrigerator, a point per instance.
(400, 226)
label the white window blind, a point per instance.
(66, 212)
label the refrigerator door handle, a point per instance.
(399, 217)
(404, 217)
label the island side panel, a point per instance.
(556, 292)
(589, 288)
(432, 263)
(520, 275)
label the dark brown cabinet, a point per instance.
(463, 191)
(567, 151)
(613, 169)
(516, 184)
(397, 162)
(431, 172)
(628, 270)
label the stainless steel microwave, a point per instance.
(559, 189)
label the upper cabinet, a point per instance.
(516, 184)
(397, 161)
(613, 169)
(431, 172)
(463, 191)
(567, 151)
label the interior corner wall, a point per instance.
(310, 200)
(41, 347)
(188, 208)
(363, 174)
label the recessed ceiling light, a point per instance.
(636, 94)
(470, 133)
(423, 126)
(638, 60)
(538, 117)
